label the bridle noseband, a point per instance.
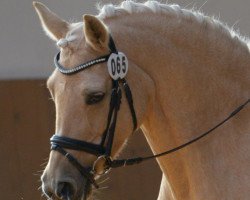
(103, 150)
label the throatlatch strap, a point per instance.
(129, 98)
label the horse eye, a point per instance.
(94, 98)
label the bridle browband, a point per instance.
(103, 150)
(87, 64)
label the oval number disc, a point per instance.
(117, 65)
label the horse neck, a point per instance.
(201, 74)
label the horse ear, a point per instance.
(96, 33)
(55, 27)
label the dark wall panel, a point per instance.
(27, 122)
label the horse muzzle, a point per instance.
(62, 185)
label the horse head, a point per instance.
(82, 101)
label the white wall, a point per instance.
(25, 51)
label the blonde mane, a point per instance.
(131, 7)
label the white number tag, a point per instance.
(117, 65)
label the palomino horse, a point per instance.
(186, 72)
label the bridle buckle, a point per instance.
(102, 165)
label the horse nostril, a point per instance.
(65, 190)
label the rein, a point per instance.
(103, 150)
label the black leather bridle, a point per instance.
(103, 150)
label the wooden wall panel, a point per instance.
(27, 122)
